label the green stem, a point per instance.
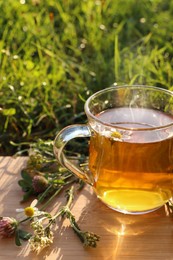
(21, 221)
(45, 205)
(66, 208)
(43, 194)
(51, 198)
(70, 197)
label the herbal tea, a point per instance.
(132, 169)
(131, 147)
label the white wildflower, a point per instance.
(43, 237)
(31, 211)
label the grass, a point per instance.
(54, 54)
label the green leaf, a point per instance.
(24, 184)
(29, 64)
(9, 112)
(116, 57)
(24, 235)
(27, 195)
(26, 176)
(17, 238)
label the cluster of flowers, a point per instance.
(44, 179)
(7, 226)
(41, 222)
(42, 235)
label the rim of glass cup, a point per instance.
(113, 87)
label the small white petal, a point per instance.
(20, 216)
(19, 210)
(34, 203)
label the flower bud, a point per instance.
(7, 226)
(39, 183)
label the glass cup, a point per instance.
(131, 147)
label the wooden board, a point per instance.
(122, 237)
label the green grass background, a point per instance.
(55, 53)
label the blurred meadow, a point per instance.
(55, 53)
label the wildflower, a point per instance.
(116, 135)
(90, 239)
(120, 136)
(39, 183)
(7, 226)
(87, 238)
(43, 237)
(31, 211)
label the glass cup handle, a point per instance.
(62, 138)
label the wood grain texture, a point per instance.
(123, 237)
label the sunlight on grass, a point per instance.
(53, 54)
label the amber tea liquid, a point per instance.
(133, 170)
